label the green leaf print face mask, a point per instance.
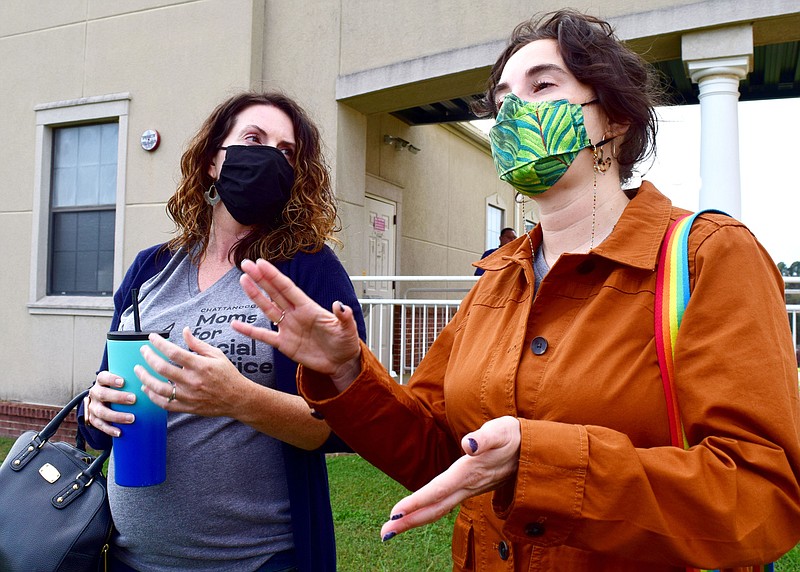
(534, 143)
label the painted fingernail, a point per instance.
(473, 444)
(397, 516)
(388, 536)
(341, 306)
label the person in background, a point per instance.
(507, 235)
(246, 484)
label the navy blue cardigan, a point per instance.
(322, 277)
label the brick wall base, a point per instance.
(16, 418)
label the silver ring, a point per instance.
(283, 315)
(174, 391)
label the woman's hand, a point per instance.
(492, 457)
(204, 380)
(98, 414)
(326, 342)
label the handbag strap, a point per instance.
(39, 439)
(672, 296)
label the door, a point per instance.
(380, 234)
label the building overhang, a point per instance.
(439, 88)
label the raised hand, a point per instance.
(324, 341)
(492, 457)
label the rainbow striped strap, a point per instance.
(672, 296)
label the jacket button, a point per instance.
(502, 549)
(534, 529)
(585, 267)
(538, 345)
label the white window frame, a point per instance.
(63, 114)
(494, 201)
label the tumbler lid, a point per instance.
(131, 336)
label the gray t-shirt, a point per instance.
(540, 268)
(225, 503)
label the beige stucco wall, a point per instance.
(176, 60)
(378, 34)
(348, 62)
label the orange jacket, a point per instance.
(598, 486)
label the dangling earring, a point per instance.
(211, 195)
(601, 164)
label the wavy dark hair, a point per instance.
(308, 220)
(626, 86)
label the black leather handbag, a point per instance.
(54, 512)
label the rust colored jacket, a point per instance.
(598, 486)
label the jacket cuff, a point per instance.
(543, 504)
(320, 392)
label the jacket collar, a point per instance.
(635, 240)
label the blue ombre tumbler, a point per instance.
(140, 452)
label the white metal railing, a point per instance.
(400, 330)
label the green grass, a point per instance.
(362, 497)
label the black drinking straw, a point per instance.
(135, 299)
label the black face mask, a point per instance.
(255, 184)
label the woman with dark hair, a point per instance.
(246, 484)
(541, 407)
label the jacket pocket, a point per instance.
(463, 543)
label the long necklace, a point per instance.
(601, 165)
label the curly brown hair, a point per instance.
(626, 86)
(308, 220)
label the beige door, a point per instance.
(380, 233)
(380, 236)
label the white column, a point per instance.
(718, 81)
(717, 60)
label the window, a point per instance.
(82, 207)
(78, 204)
(494, 224)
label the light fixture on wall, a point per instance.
(399, 144)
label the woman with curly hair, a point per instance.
(246, 486)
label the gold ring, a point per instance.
(174, 391)
(283, 315)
